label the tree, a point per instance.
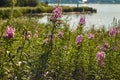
(27, 2)
(6, 3)
(33, 2)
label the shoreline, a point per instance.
(64, 13)
(42, 10)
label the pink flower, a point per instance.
(114, 48)
(47, 41)
(60, 34)
(112, 32)
(100, 58)
(91, 36)
(9, 32)
(28, 35)
(79, 39)
(56, 13)
(98, 47)
(105, 47)
(36, 34)
(82, 20)
(118, 29)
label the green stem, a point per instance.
(23, 43)
(51, 38)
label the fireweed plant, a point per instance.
(33, 51)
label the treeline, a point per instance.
(20, 11)
(7, 3)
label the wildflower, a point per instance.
(64, 47)
(56, 13)
(118, 29)
(91, 36)
(9, 32)
(105, 47)
(47, 41)
(79, 39)
(112, 32)
(19, 63)
(114, 48)
(36, 34)
(8, 52)
(28, 35)
(82, 21)
(98, 47)
(60, 34)
(100, 57)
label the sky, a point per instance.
(84, 0)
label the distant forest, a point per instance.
(7, 3)
(76, 1)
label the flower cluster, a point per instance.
(113, 32)
(100, 58)
(36, 34)
(48, 38)
(82, 21)
(28, 35)
(56, 13)
(79, 39)
(9, 32)
(47, 41)
(91, 36)
(118, 29)
(105, 47)
(114, 48)
(60, 34)
(65, 47)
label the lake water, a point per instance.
(103, 17)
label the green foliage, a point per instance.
(33, 59)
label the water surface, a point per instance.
(103, 17)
